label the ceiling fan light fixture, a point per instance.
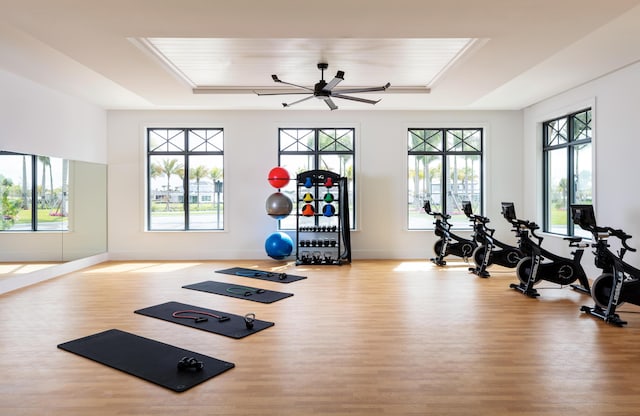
(325, 90)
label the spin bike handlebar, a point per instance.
(525, 224)
(620, 234)
(479, 219)
(427, 209)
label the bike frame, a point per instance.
(492, 247)
(626, 278)
(538, 254)
(447, 246)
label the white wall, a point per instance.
(616, 102)
(251, 150)
(37, 120)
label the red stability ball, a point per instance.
(279, 177)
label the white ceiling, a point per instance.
(525, 50)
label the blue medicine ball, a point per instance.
(278, 245)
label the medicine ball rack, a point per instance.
(322, 219)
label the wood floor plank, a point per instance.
(377, 337)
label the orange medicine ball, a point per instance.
(308, 210)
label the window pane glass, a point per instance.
(421, 140)
(341, 164)
(463, 182)
(15, 192)
(582, 174)
(166, 193)
(166, 140)
(297, 140)
(51, 204)
(556, 132)
(335, 140)
(425, 173)
(294, 164)
(206, 196)
(205, 140)
(557, 190)
(582, 126)
(468, 140)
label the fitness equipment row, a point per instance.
(619, 281)
(533, 263)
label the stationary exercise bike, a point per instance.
(449, 243)
(619, 282)
(540, 264)
(491, 251)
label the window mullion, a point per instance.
(34, 193)
(185, 180)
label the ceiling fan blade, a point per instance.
(281, 93)
(369, 89)
(330, 103)
(335, 81)
(278, 80)
(296, 102)
(362, 100)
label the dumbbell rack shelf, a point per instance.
(321, 205)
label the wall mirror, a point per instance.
(52, 210)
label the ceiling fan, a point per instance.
(325, 90)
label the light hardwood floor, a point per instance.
(370, 338)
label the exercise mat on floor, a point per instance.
(217, 322)
(239, 291)
(263, 275)
(147, 359)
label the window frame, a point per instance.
(570, 147)
(443, 155)
(185, 153)
(317, 154)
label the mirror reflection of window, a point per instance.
(33, 193)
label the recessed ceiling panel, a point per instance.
(208, 62)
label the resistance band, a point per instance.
(196, 318)
(281, 276)
(243, 290)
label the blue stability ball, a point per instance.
(278, 245)
(278, 205)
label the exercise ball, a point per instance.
(278, 245)
(307, 197)
(279, 177)
(278, 205)
(328, 197)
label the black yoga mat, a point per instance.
(263, 275)
(239, 291)
(235, 326)
(145, 358)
